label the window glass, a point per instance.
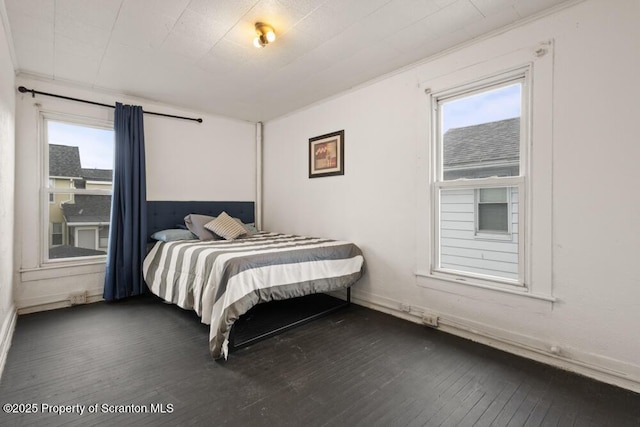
(493, 217)
(493, 195)
(79, 218)
(488, 250)
(481, 134)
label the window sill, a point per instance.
(508, 289)
(491, 237)
(62, 269)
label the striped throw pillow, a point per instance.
(225, 226)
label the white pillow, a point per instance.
(225, 226)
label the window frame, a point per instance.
(46, 191)
(438, 184)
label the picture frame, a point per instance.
(326, 155)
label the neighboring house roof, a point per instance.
(88, 208)
(64, 160)
(66, 251)
(488, 142)
(97, 174)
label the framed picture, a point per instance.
(326, 155)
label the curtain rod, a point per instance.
(33, 92)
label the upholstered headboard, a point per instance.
(168, 214)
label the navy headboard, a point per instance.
(167, 214)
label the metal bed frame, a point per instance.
(238, 340)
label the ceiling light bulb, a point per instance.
(257, 43)
(271, 36)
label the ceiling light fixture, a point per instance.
(265, 35)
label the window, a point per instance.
(480, 142)
(56, 234)
(77, 215)
(495, 90)
(492, 211)
(52, 196)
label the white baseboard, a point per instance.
(599, 367)
(6, 335)
(53, 302)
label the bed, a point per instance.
(221, 280)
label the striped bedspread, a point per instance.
(221, 280)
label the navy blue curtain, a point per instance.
(127, 233)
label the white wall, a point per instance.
(593, 233)
(185, 161)
(7, 183)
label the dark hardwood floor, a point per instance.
(354, 367)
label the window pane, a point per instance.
(463, 250)
(493, 195)
(87, 227)
(80, 157)
(493, 217)
(73, 147)
(56, 234)
(481, 134)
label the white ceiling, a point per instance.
(198, 54)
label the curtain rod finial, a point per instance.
(23, 89)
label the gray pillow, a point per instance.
(173, 234)
(195, 223)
